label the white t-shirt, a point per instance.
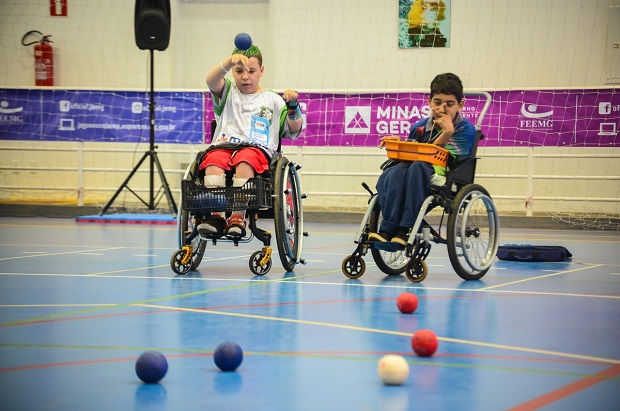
(258, 119)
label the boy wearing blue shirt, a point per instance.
(403, 187)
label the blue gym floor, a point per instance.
(79, 302)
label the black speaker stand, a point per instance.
(154, 162)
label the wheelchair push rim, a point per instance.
(288, 214)
(473, 230)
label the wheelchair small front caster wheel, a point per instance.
(259, 263)
(179, 263)
(353, 266)
(416, 270)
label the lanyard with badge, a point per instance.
(259, 130)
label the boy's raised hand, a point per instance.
(239, 60)
(290, 95)
(444, 122)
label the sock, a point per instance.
(214, 181)
(239, 182)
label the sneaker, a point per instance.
(401, 238)
(236, 226)
(381, 236)
(212, 225)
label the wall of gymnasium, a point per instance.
(310, 45)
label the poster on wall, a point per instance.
(423, 23)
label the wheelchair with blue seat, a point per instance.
(471, 230)
(275, 194)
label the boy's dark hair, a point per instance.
(447, 83)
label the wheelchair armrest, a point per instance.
(388, 163)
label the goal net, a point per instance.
(363, 70)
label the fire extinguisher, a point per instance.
(43, 58)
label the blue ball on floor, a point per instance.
(243, 41)
(151, 366)
(228, 356)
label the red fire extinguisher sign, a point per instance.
(58, 8)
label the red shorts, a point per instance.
(229, 159)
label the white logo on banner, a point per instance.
(607, 129)
(136, 107)
(357, 119)
(536, 120)
(531, 111)
(66, 124)
(64, 106)
(604, 108)
(10, 115)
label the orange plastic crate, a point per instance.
(411, 151)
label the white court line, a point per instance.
(300, 281)
(543, 276)
(145, 255)
(65, 253)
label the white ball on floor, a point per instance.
(393, 369)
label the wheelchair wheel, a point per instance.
(288, 214)
(417, 270)
(255, 263)
(353, 266)
(473, 230)
(391, 263)
(186, 224)
(177, 264)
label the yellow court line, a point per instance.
(389, 332)
(540, 277)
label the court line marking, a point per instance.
(389, 332)
(422, 287)
(61, 253)
(567, 390)
(337, 355)
(54, 305)
(264, 281)
(165, 298)
(491, 287)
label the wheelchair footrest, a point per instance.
(385, 246)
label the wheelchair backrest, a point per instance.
(464, 172)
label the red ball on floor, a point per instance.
(407, 303)
(424, 343)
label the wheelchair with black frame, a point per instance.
(274, 194)
(471, 230)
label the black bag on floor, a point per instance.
(533, 253)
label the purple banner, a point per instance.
(576, 118)
(563, 118)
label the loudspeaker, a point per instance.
(152, 24)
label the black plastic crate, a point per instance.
(254, 194)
